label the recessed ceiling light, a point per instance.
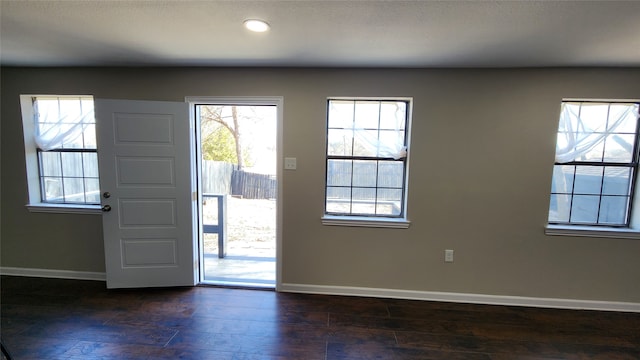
(256, 25)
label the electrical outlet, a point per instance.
(448, 255)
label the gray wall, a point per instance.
(482, 151)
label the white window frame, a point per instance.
(599, 231)
(35, 203)
(401, 222)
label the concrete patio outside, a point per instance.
(251, 243)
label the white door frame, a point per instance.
(277, 101)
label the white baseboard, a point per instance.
(377, 292)
(58, 274)
(463, 298)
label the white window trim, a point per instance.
(591, 231)
(631, 232)
(374, 221)
(35, 204)
(361, 221)
(64, 208)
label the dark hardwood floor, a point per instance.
(72, 319)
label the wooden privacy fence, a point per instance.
(224, 178)
(252, 185)
(216, 177)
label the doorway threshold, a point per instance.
(238, 284)
(240, 271)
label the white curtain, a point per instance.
(61, 124)
(388, 139)
(577, 134)
(391, 145)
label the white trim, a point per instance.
(372, 98)
(31, 154)
(587, 231)
(64, 209)
(365, 222)
(601, 100)
(278, 102)
(31, 160)
(376, 222)
(376, 292)
(58, 274)
(234, 100)
(463, 297)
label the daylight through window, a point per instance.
(65, 137)
(596, 164)
(366, 157)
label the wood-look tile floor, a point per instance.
(72, 319)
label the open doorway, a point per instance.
(236, 151)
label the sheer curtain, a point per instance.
(389, 145)
(379, 128)
(61, 123)
(367, 128)
(578, 133)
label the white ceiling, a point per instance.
(320, 33)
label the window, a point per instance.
(595, 171)
(367, 158)
(60, 145)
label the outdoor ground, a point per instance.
(250, 227)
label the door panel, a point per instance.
(135, 213)
(143, 128)
(144, 159)
(144, 252)
(135, 171)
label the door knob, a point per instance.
(106, 194)
(106, 208)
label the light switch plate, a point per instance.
(448, 255)
(290, 163)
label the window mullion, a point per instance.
(84, 181)
(353, 147)
(600, 195)
(375, 199)
(64, 195)
(634, 168)
(43, 194)
(604, 148)
(573, 191)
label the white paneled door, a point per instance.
(145, 180)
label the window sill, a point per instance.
(365, 222)
(64, 208)
(590, 231)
